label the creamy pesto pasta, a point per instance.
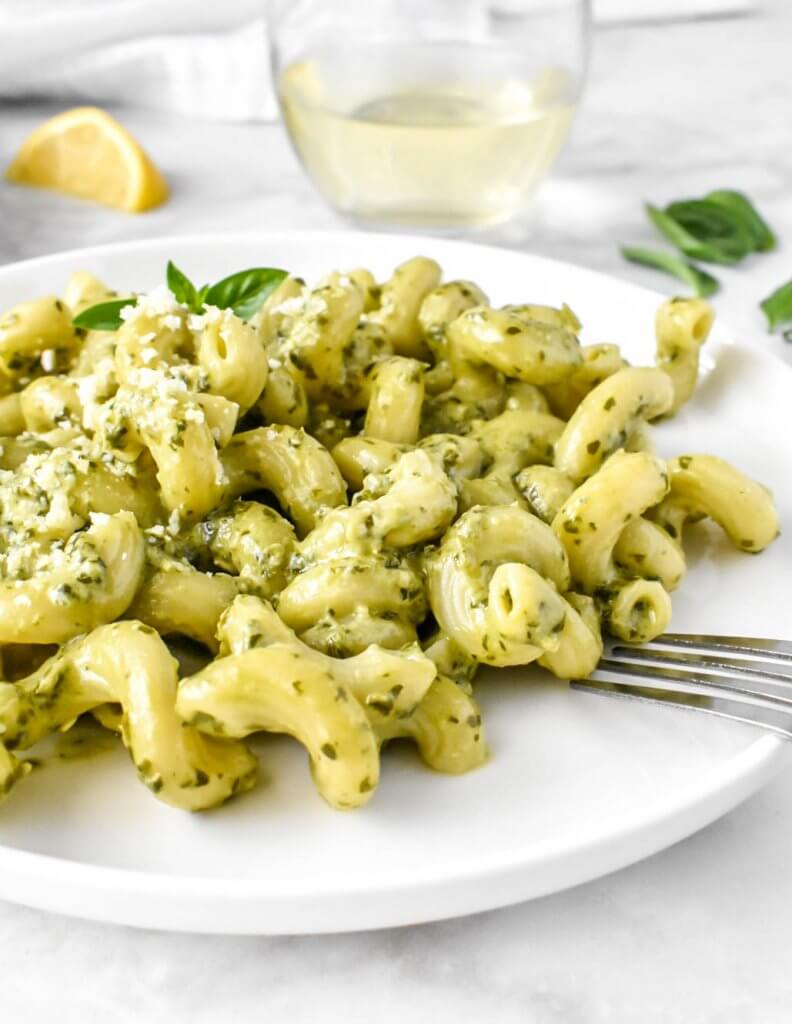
(347, 497)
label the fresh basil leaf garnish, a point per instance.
(703, 230)
(105, 316)
(778, 307)
(739, 205)
(701, 283)
(182, 288)
(246, 291)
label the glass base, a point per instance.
(406, 223)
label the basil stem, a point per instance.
(701, 283)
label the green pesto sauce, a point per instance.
(86, 739)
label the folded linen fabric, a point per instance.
(187, 56)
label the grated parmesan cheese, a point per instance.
(158, 302)
(210, 315)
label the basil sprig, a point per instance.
(703, 230)
(723, 227)
(244, 293)
(740, 206)
(701, 283)
(777, 308)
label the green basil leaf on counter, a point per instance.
(703, 230)
(778, 308)
(741, 206)
(701, 283)
(246, 291)
(105, 316)
(182, 288)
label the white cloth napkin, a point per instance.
(190, 57)
(614, 11)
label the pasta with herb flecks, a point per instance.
(348, 496)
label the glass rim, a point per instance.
(271, 16)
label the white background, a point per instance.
(700, 933)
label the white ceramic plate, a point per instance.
(577, 785)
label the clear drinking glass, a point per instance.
(439, 113)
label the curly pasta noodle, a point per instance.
(350, 499)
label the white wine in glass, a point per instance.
(441, 133)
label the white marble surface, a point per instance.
(698, 933)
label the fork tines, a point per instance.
(747, 679)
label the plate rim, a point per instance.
(227, 906)
(721, 789)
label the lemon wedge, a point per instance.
(85, 152)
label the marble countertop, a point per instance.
(697, 933)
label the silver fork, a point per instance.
(747, 679)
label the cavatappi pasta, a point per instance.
(350, 502)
